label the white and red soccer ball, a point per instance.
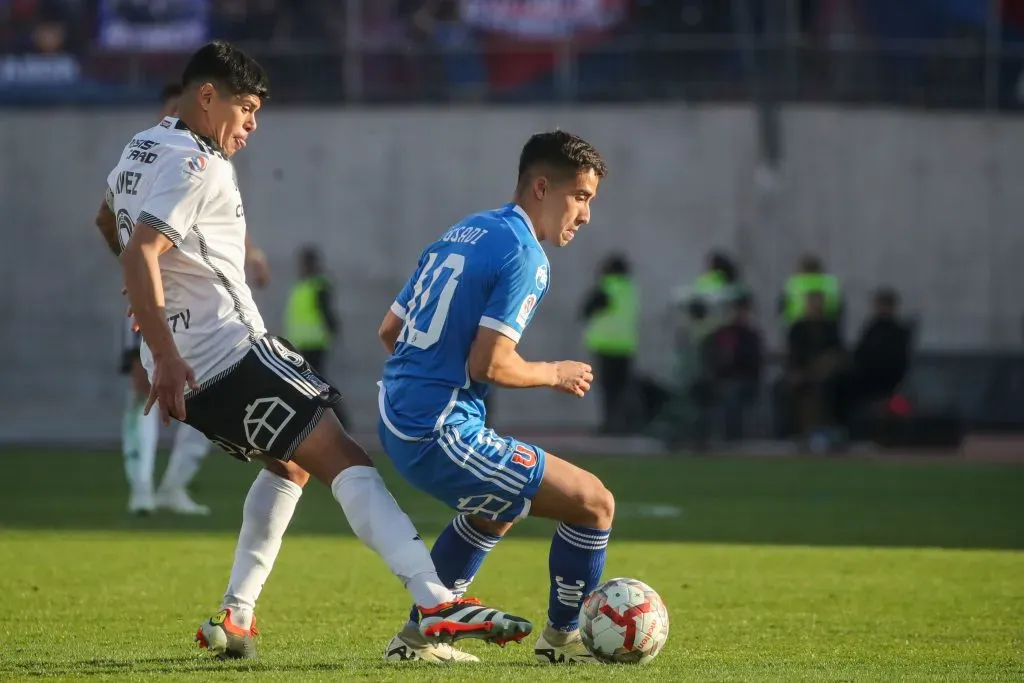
(624, 621)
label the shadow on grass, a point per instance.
(355, 667)
(781, 501)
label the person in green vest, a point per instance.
(716, 288)
(611, 312)
(811, 277)
(309, 320)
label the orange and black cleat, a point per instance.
(227, 640)
(467, 618)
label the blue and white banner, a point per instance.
(543, 19)
(153, 25)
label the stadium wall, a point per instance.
(928, 203)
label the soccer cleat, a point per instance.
(467, 618)
(557, 647)
(221, 636)
(178, 501)
(141, 503)
(409, 645)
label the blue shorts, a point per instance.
(471, 469)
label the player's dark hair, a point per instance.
(564, 153)
(172, 89)
(228, 67)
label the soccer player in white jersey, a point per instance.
(139, 431)
(179, 217)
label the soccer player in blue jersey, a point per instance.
(452, 332)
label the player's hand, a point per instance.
(573, 377)
(257, 267)
(171, 375)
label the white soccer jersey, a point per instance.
(178, 183)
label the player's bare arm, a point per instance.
(389, 330)
(493, 358)
(107, 224)
(140, 263)
(256, 265)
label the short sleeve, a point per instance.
(521, 283)
(177, 195)
(400, 306)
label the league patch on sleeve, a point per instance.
(542, 277)
(524, 311)
(194, 166)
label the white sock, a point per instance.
(149, 431)
(190, 447)
(130, 438)
(268, 509)
(379, 523)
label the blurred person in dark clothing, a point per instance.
(881, 358)
(737, 357)
(816, 368)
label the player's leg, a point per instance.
(458, 553)
(484, 477)
(187, 453)
(332, 456)
(266, 514)
(584, 509)
(139, 434)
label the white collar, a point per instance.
(526, 219)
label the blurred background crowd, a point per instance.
(818, 364)
(965, 53)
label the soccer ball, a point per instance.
(624, 621)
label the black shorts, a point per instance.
(268, 402)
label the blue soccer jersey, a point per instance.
(487, 271)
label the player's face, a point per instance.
(566, 207)
(231, 120)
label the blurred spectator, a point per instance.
(810, 277)
(390, 66)
(686, 414)
(716, 288)
(611, 311)
(456, 62)
(43, 40)
(881, 358)
(816, 369)
(524, 40)
(737, 358)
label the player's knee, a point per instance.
(489, 526)
(287, 470)
(595, 505)
(601, 506)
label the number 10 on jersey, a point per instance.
(428, 307)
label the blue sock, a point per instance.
(458, 553)
(576, 562)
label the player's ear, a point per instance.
(540, 187)
(206, 93)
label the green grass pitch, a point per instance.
(777, 569)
